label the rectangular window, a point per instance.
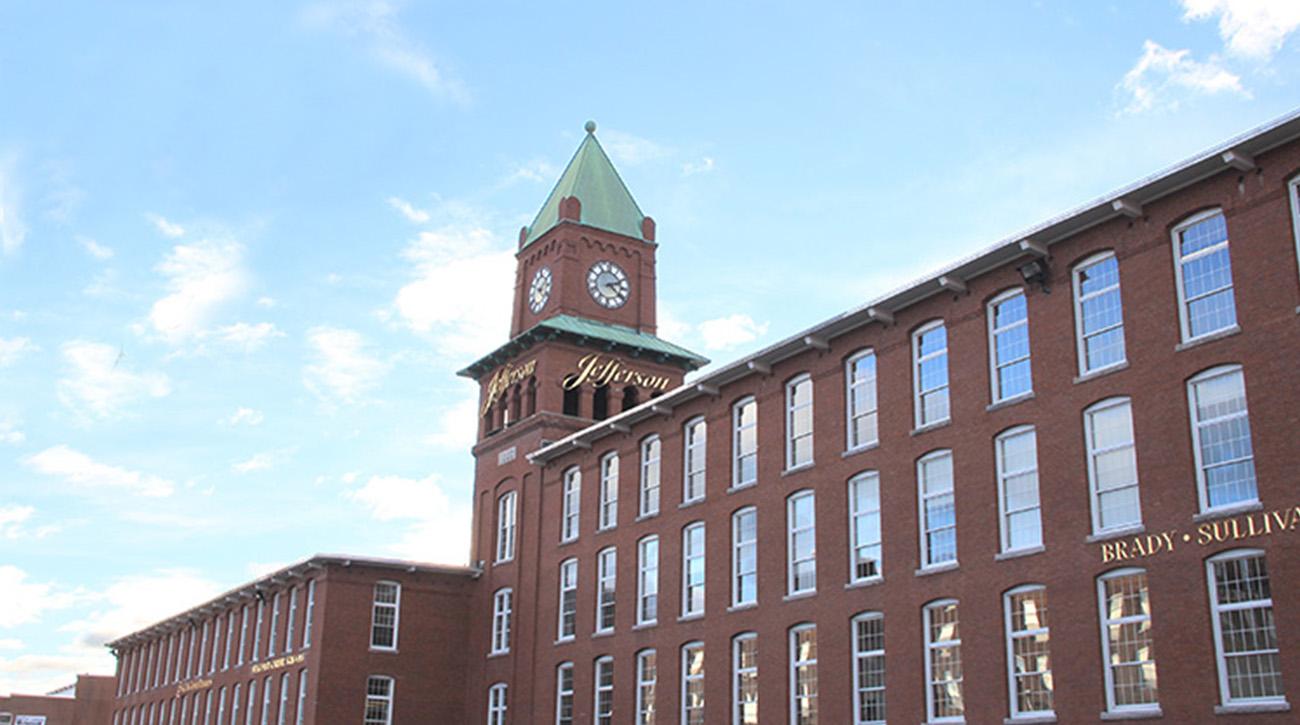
(1127, 652)
(799, 422)
(568, 598)
(693, 570)
(744, 557)
(497, 705)
(1293, 190)
(607, 513)
(282, 715)
(564, 694)
(744, 684)
(1225, 460)
(252, 703)
(801, 543)
(938, 509)
(864, 527)
(1098, 313)
(803, 675)
(230, 638)
(203, 646)
(693, 683)
(1245, 638)
(604, 681)
(243, 634)
(696, 436)
(266, 702)
(861, 404)
(606, 573)
(646, 676)
(274, 635)
(257, 630)
(214, 655)
(647, 583)
(869, 669)
(943, 673)
(1017, 460)
(379, 701)
(307, 617)
(502, 604)
(1204, 271)
(1029, 663)
(191, 650)
(649, 477)
(302, 698)
(234, 706)
(506, 526)
(291, 624)
(383, 626)
(1112, 465)
(571, 504)
(930, 373)
(1008, 316)
(744, 443)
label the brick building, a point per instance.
(88, 701)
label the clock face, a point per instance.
(607, 284)
(540, 290)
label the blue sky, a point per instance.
(245, 246)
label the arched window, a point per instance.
(571, 397)
(631, 397)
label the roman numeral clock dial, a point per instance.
(608, 284)
(540, 290)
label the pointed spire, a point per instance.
(602, 200)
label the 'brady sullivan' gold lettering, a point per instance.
(1138, 547)
(599, 372)
(1248, 526)
(504, 378)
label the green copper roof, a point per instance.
(606, 202)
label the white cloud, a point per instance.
(419, 216)
(730, 331)
(12, 519)
(133, 602)
(245, 416)
(98, 384)
(536, 170)
(267, 302)
(439, 528)
(36, 673)
(703, 166)
(26, 601)
(11, 644)
(461, 291)
(13, 348)
(259, 569)
(94, 248)
(1254, 29)
(166, 228)
(12, 229)
(9, 431)
(457, 426)
(1162, 77)
(200, 277)
(81, 470)
(342, 369)
(630, 150)
(263, 461)
(247, 337)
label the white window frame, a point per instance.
(1080, 336)
(690, 443)
(1091, 452)
(234, 705)
(689, 554)
(923, 498)
(571, 504)
(1293, 193)
(1106, 663)
(607, 511)
(996, 365)
(740, 674)
(795, 664)
(687, 679)
(851, 414)
(917, 393)
(791, 409)
(568, 583)
(645, 706)
(606, 592)
(497, 704)
(860, 656)
(930, 647)
(395, 605)
(507, 520)
(1003, 475)
(307, 616)
(1012, 634)
(266, 701)
(562, 692)
(871, 479)
(739, 428)
(212, 649)
(651, 475)
(301, 713)
(251, 706)
(599, 717)
(1202, 493)
(647, 580)
(791, 561)
(230, 638)
(1183, 303)
(290, 624)
(1217, 608)
(257, 633)
(272, 635)
(243, 636)
(502, 609)
(738, 547)
(283, 710)
(386, 698)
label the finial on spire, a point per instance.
(591, 127)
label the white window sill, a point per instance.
(604, 529)
(645, 517)
(797, 469)
(494, 655)
(742, 487)
(385, 650)
(936, 568)
(564, 640)
(602, 633)
(931, 426)
(1234, 708)
(499, 562)
(1141, 713)
(742, 607)
(945, 721)
(1208, 337)
(1101, 372)
(799, 595)
(646, 625)
(692, 502)
(1017, 553)
(691, 617)
(1222, 511)
(566, 542)
(1032, 719)
(860, 449)
(1008, 402)
(863, 583)
(1116, 533)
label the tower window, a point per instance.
(631, 397)
(600, 403)
(571, 402)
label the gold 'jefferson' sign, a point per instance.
(1248, 526)
(505, 377)
(598, 372)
